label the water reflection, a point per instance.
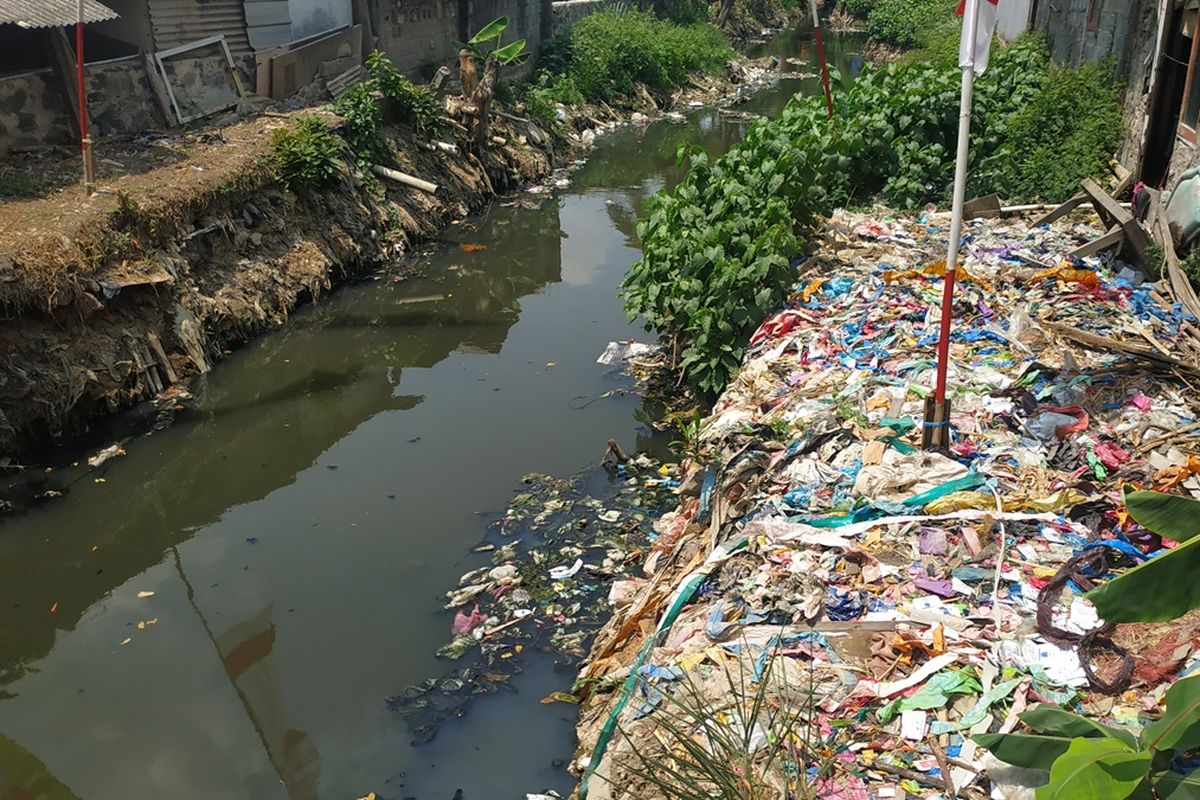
(220, 612)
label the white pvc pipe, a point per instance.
(960, 168)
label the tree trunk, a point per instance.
(466, 73)
(483, 102)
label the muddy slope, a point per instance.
(114, 308)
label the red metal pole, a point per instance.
(821, 57)
(85, 141)
(943, 350)
(83, 125)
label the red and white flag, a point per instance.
(978, 27)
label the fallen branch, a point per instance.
(1097, 342)
(404, 178)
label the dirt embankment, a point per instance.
(109, 300)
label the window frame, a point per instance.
(1183, 130)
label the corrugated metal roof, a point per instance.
(177, 22)
(52, 13)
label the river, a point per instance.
(221, 612)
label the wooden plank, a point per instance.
(1181, 287)
(1114, 237)
(1110, 210)
(161, 355)
(160, 89)
(1060, 211)
(1097, 342)
(64, 68)
(986, 206)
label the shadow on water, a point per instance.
(221, 611)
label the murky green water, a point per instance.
(298, 526)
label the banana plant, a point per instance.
(1089, 760)
(511, 54)
(1163, 587)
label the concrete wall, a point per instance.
(121, 99)
(1065, 23)
(33, 111)
(310, 17)
(417, 34)
(34, 108)
(1126, 30)
(565, 13)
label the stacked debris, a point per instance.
(875, 605)
(544, 569)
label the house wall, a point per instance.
(1065, 24)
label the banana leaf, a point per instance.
(1170, 515)
(1096, 768)
(1179, 727)
(1032, 751)
(1048, 719)
(490, 31)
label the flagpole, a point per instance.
(821, 57)
(85, 140)
(936, 433)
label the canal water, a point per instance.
(221, 612)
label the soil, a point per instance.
(195, 246)
(192, 244)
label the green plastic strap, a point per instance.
(968, 481)
(687, 588)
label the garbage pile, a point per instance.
(546, 567)
(875, 605)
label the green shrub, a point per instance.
(1067, 133)
(612, 51)
(555, 55)
(901, 22)
(716, 250)
(860, 9)
(361, 109)
(937, 43)
(306, 155)
(683, 12)
(542, 97)
(414, 104)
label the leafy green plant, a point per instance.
(511, 54)
(542, 96)
(612, 51)
(413, 104)
(1069, 131)
(1087, 759)
(860, 9)
(1138, 595)
(361, 109)
(716, 250)
(307, 154)
(900, 22)
(1191, 265)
